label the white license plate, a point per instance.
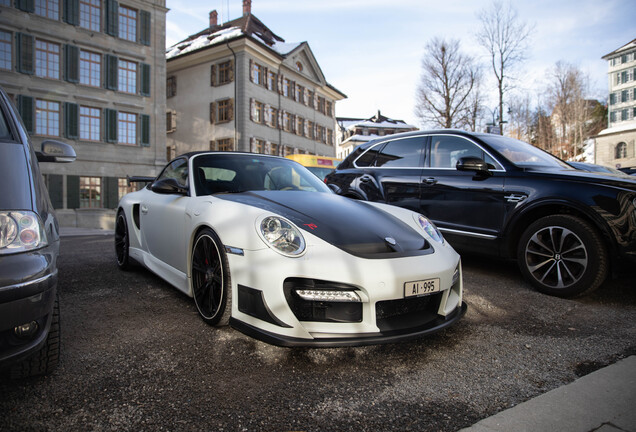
(421, 287)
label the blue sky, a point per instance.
(372, 50)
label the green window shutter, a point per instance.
(112, 17)
(71, 120)
(110, 193)
(110, 125)
(71, 63)
(145, 79)
(110, 76)
(71, 12)
(56, 190)
(72, 192)
(25, 53)
(25, 5)
(145, 130)
(26, 107)
(144, 27)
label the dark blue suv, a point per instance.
(29, 246)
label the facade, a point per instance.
(90, 73)
(355, 131)
(239, 87)
(616, 145)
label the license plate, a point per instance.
(421, 287)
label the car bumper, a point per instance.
(262, 307)
(28, 285)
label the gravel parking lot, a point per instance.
(136, 356)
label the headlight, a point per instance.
(20, 231)
(429, 228)
(282, 236)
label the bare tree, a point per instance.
(506, 39)
(448, 79)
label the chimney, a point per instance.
(247, 7)
(213, 18)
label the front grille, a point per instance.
(406, 313)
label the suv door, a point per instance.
(394, 172)
(464, 204)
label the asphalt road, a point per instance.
(136, 356)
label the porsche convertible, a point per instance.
(263, 245)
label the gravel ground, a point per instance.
(136, 356)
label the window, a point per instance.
(225, 109)
(300, 126)
(321, 104)
(624, 114)
(258, 145)
(123, 187)
(310, 129)
(127, 23)
(90, 192)
(329, 108)
(300, 93)
(126, 128)
(287, 88)
(127, 76)
(330, 137)
(90, 14)
(90, 123)
(402, 153)
(287, 122)
(47, 59)
(171, 86)
(624, 96)
(90, 68)
(271, 80)
(446, 151)
(171, 121)
(288, 150)
(258, 112)
(47, 118)
(5, 50)
(225, 72)
(274, 149)
(48, 8)
(273, 117)
(621, 150)
(612, 116)
(624, 76)
(223, 144)
(258, 74)
(178, 170)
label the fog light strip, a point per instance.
(329, 296)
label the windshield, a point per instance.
(523, 154)
(231, 173)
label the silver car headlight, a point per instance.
(429, 228)
(282, 236)
(20, 231)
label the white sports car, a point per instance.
(264, 245)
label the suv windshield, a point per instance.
(523, 154)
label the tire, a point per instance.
(211, 284)
(46, 359)
(122, 241)
(563, 256)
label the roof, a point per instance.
(625, 47)
(377, 121)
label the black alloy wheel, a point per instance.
(122, 242)
(563, 255)
(211, 287)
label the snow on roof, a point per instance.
(363, 138)
(385, 124)
(617, 129)
(203, 41)
(285, 48)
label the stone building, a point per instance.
(355, 131)
(238, 86)
(90, 73)
(616, 145)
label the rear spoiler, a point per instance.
(139, 179)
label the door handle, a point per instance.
(144, 209)
(430, 181)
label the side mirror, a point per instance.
(56, 151)
(470, 163)
(168, 186)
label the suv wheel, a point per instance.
(563, 256)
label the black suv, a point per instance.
(495, 195)
(29, 246)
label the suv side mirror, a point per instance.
(168, 186)
(56, 151)
(470, 163)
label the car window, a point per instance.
(401, 153)
(368, 158)
(447, 149)
(178, 170)
(521, 153)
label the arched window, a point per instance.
(621, 150)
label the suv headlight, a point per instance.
(429, 228)
(20, 231)
(282, 236)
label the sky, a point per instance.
(372, 50)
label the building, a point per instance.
(90, 73)
(616, 145)
(238, 86)
(355, 131)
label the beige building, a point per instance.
(90, 73)
(355, 131)
(616, 145)
(238, 86)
